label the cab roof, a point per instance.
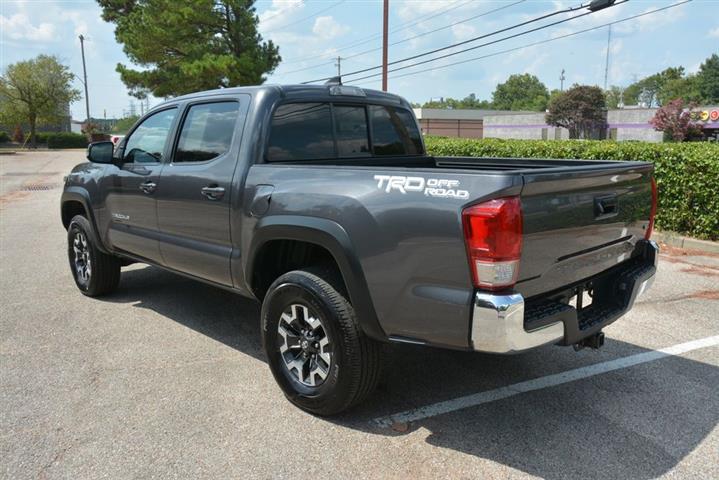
(296, 92)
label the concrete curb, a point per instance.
(675, 240)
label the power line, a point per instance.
(474, 39)
(330, 62)
(407, 39)
(305, 18)
(541, 42)
(283, 10)
(509, 37)
(402, 26)
(441, 28)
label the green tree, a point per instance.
(648, 89)
(186, 46)
(470, 101)
(124, 124)
(581, 110)
(708, 79)
(36, 91)
(521, 92)
(614, 96)
(686, 88)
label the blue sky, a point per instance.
(311, 33)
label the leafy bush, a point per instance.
(4, 137)
(42, 137)
(65, 140)
(687, 174)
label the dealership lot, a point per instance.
(166, 378)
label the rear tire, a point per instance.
(315, 348)
(95, 273)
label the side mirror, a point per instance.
(100, 152)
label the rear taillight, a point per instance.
(493, 234)
(653, 211)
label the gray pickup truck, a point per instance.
(321, 203)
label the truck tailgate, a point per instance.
(580, 221)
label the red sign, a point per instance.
(714, 115)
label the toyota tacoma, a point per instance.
(322, 203)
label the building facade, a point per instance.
(629, 123)
(463, 123)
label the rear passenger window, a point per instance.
(394, 132)
(351, 128)
(301, 131)
(206, 132)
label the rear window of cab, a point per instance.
(316, 131)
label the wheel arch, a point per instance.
(76, 201)
(331, 238)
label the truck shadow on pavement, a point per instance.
(637, 422)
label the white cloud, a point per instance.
(536, 64)
(78, 21)
(653, 21)
(19, 27)
(411, 9)
(279, 13)
(461, 31)
(659, 19)
(714, 33)
(327, 28)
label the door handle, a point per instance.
(148, 187)
(605, 207)
(213, 192)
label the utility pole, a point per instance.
(606, 65)
(561, 81)
(338, 65)
(385, 26)
(84, 74)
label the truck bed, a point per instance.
(411, 244)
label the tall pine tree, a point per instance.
(184, 46)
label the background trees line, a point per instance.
(216, 44)
(527, 92)
(180, 48)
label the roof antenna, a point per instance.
(334, 81)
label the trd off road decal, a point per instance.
(431, 187)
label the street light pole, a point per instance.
(385, 25)
(84, 74)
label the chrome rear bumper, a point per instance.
(498, 324)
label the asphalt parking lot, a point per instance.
(166, 379)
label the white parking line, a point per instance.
(542, 382)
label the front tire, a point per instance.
(316, 350)
(95, 273)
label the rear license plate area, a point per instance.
(581, 300)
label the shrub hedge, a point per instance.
(687, 174)
(4, 137)
(65, 140)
